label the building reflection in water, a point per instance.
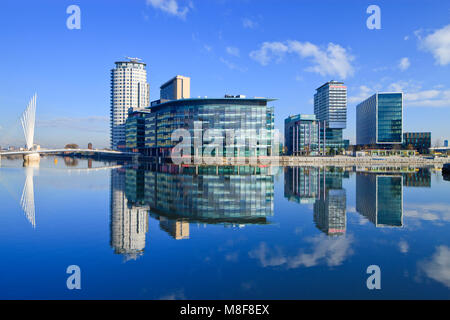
(379, 198)
(129, 220)
(379, 192)
(323, 188)
(180, 195)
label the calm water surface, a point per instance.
(221, 233)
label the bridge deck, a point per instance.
(44, 151)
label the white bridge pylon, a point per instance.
(28, 120)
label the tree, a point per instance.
(71, 146)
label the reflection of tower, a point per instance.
(323, 188)
(330, 207)
(129, 223)
(27, 200)
(178, 229)
(380, 199)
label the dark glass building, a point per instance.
(420, 141)
(379, 120)
(379, 198)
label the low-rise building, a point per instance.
(420, 141)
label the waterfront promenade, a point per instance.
(343, 161)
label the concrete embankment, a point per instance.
(319, 161)
(371, 161)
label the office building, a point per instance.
(135, 131)
(176, 88)
(244, 125)
(129, 89)
(302, 135)
(330, 107)
(379, 120)
(446, 143)
(420, 141)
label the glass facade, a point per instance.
(420, 141)
(239, 127)
(389, 118)
(301, 135)
(183, 193)
(380, 199)
(135, 131)
(379, 120)
(330, 104)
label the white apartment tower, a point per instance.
(129, 89)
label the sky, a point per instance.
(265, 48)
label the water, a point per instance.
(222, 233)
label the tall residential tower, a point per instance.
(330, 106)
(129, 89)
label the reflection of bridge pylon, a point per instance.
(27, 200)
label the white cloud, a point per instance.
(403, 246)
(249, 24)
(438, 266)
(233, 51)
(231, 65)
(334, 60)
(269, 51)
(170, 7)
(363, 94)
(404, 64)
(326, 250)
(434, 212)
(176, 295)
(438, 43)
(207, 48)
(416, 96)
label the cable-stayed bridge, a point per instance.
(32, 152)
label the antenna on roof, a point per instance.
(133, 59)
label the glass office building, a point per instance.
(379, 120)
(135, 131)
(302, 135)
(238, 126)
(420, 141)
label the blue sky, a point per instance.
(279, 49)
